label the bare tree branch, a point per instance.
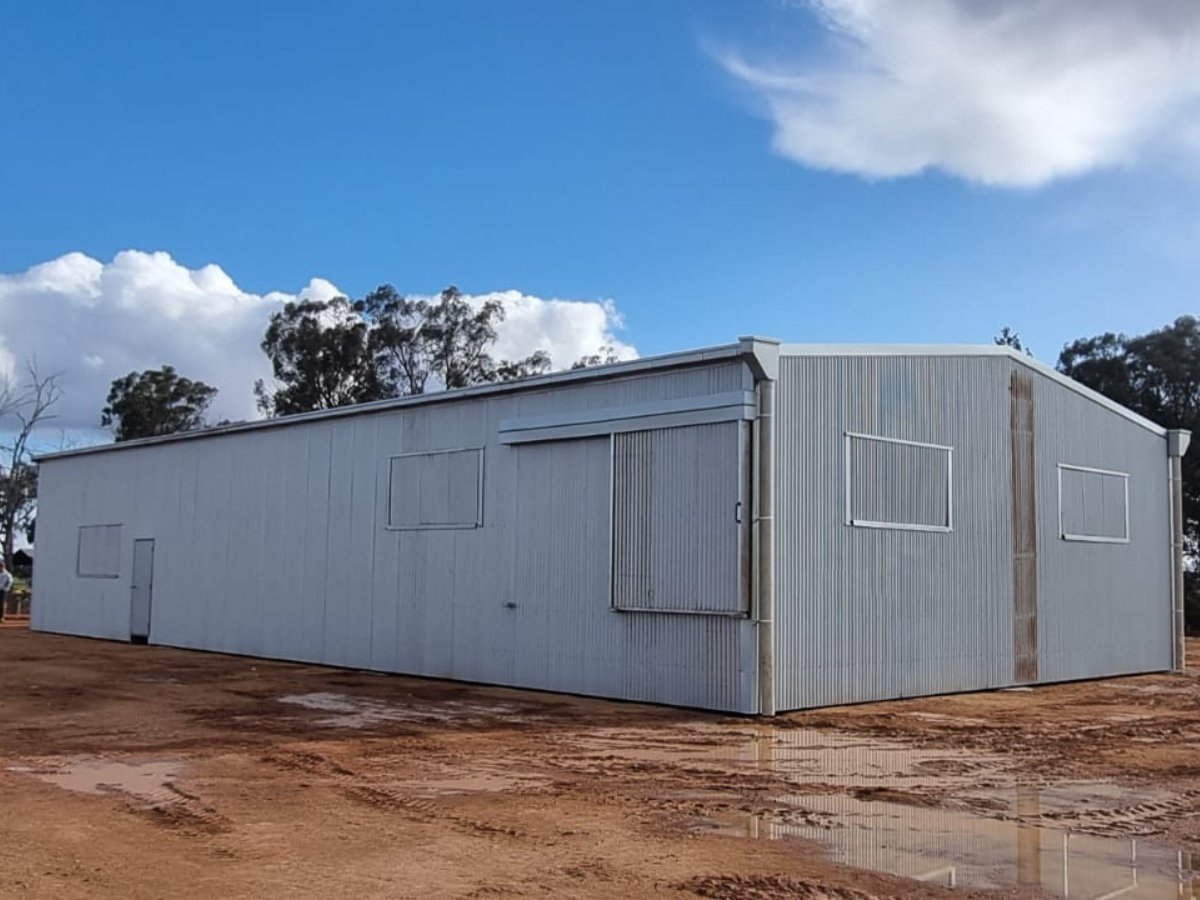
(23, 409)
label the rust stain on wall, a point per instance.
(1024, 519)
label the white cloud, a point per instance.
(566, 329)
(96, 321)
(1014, 93)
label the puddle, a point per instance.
(147, 781)
(959, 849)
(949, 817)
(365, 712)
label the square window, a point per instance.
(891, 483)
(99, 551)
(439, 489)
(1093, 505)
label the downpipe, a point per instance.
(764, 533)
(1177, 445)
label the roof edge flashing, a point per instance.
(762, 354)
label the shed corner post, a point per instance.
(762, 355)
(1178, 440)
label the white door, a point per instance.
(141, 590)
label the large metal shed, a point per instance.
(754, 528)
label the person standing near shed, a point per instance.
(6, 581)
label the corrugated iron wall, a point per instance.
(892, 482)
(867, 614)
(273, 543)
(1103, 608)
(871, 613)
(676, 519)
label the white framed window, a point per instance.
(894, 483)
(435, 489)
(98, 554)
(1093, 504)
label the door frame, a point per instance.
(134, 636)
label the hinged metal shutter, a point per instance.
(680, 519)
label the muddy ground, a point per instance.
(149, 772)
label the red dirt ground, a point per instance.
(200, 775)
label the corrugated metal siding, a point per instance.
(899, 483)
(1092, 503)
(99, 551)
(435, 489)
(273, 543)
(865, 613)
(1104, 608)
(675, 519)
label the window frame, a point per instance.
(1063, 535)
(79, 573)
(448, 526)
(948, 528)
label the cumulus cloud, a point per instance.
(566, 329)
(1014, 93)
(95, 321)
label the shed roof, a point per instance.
(756, 351)
(759, 352)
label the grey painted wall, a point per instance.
(273, 543)
(867, 614)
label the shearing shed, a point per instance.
(755, 527)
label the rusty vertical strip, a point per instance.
(1029, 837)
(1024, 518)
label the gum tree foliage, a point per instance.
(320, 357)
(606, 355)
(25, 405)
(1157, 375)
(1009, 338)
(333, 353)
(397, 339)
(155, 402)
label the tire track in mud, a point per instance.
(1137, 820)
(149, 789)
(184, 812)
(767, 887)
(358, 787)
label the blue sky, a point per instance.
(623, 150)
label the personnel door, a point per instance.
(141, 590)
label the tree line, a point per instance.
(337, 352)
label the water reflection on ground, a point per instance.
(941, 816)
(967, 849)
